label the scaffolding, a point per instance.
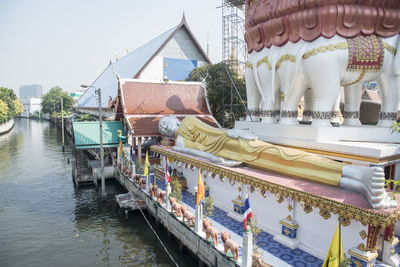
(234, 52)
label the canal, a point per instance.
(45, 221)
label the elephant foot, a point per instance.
(306, 119)
(268, 120)
(352, 122)
(321, 123)
(252, 118)
(385, 123)
(386, 119)
(289, 121)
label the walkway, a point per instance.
(273, 252)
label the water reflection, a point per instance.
(45, 221)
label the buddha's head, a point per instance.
(168, 126)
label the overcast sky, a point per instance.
(70, 42)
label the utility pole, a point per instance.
(62, 124)
(103, 191)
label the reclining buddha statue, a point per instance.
(233, 147)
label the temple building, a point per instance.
(170, 56)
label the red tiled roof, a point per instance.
(144, 103)
(148, 126)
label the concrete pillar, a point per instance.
(167, 192)
(198, 218)
(247, 248)
(140, 150)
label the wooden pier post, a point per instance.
(247, 248)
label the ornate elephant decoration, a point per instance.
(321, 45)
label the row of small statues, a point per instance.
(181, 210)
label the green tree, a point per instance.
(51, 102)
(18, 107)
(8, 96)
(220, 91)
(3, 111)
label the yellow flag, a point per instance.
(146, 164)
(200, 189)
(120, 147)
(332, 259)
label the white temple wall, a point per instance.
(154, 70)
(268, 211)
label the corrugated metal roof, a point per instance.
(127, 67)
(87, 134)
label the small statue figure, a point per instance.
(142, 183)
(176, 207)
(210, 231)
(172, 200)
(161, 196)
(206, 224)
(153, 190)
(230, 244)
(186, 214)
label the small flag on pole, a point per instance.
(167, 176)
(133, 154)
(200, 189)
(336, 249)
(146, 164)
(247, 210)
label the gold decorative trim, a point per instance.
(238, 202)
(290, 207)
(361, 247)
(325, 48)
(288, 225)
(389, 48)
(266, 61)
(363, 234)
(249, 65)
(362, 74)
(325, 214)
(283, 58)
(289, 218)
(362, 257)
(350, 212)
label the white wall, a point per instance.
(314, 233)
(180, 46)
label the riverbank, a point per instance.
(6, 127)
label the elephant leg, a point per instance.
(253, 96)
(352, 102)
(325, 88)
(267, 111)
(290, 101)
(335, 117)
(307, 106)
(388, 85)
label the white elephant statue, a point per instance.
(276, 79)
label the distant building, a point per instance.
(31, 105)
(170, 56)
(77, 94)
(34, 90)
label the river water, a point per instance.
(45, 221)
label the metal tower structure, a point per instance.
(234, 52)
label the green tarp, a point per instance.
(87, 134)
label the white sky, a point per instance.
(70, 42)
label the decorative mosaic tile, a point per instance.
(294, 257)
(387, 115)
(289, 113)
(351, 115)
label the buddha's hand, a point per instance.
(236, 134)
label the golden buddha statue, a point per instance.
(233, 147)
